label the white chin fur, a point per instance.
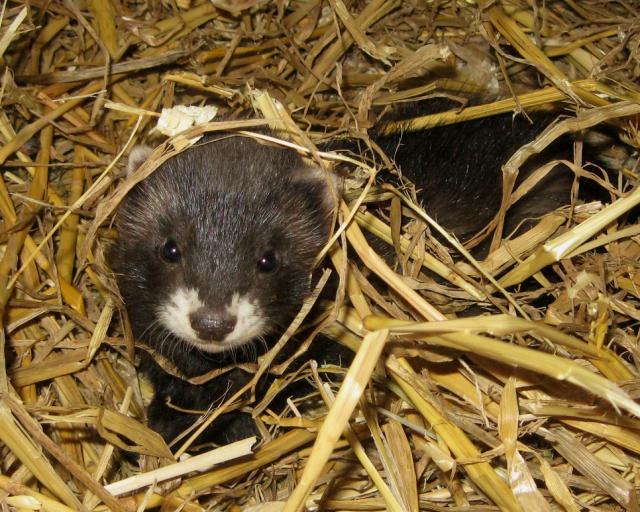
(174, 316)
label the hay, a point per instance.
(524, 407)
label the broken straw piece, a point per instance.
(177, 119)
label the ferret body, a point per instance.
(217, 247)
(457, 167)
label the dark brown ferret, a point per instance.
(216, 248)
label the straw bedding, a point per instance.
(524, 407)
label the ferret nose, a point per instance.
(211, 325)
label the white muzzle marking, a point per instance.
(175, 313)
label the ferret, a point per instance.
(216, 248)
(214, 259)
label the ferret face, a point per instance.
(216, 247)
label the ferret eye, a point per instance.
(170, 251)
(268, 262)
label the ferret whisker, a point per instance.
(163, 342)
(150, 328)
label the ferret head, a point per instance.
(216, 247)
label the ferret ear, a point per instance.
(325, 185)
(137, 156)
